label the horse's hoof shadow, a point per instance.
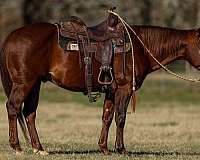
(144, 153)
(74, 152)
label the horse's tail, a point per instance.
(5, 77)
(7, 86)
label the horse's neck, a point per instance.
(165, 50)
(165, 44)
(171, 57)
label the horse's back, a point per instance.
(35, 33)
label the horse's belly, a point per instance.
(71, 80)
(68, 73)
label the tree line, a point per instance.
(171, 13)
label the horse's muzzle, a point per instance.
(105, 76)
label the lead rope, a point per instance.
(165, 68)
(133, 61)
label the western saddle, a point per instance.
(93, 40)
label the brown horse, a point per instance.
(27, 57)
(167, 45)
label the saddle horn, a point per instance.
(112, 19)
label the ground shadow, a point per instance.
(75, 152)
(132, 154)
(143, 153)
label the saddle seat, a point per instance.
(101, 32)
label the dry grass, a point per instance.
(71, 131)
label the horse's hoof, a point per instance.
(124, 152)
(19, 153)
(39, 152)
(106, 152)
(121, 151)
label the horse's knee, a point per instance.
(108, 121)
(11, 109)
(29, 111)
(120, 119)
(30, 118)
(107, 117)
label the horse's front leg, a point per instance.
(122, 98)
(108, 111)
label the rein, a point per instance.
(125, 24)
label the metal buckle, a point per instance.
(87, 60)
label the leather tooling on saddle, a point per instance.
(99, 42)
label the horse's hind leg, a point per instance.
(14, 103)
(29, 112)
(108, 112)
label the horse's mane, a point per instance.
(161, 41)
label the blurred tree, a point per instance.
(36, 11)
(146, 11)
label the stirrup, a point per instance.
(105, 83)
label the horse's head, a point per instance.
(193, 48)
(113, 43)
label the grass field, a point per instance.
(166, 125)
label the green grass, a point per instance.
(169, 91)
(71, 131)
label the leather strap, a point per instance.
(84, 41)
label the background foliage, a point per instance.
(171, 13)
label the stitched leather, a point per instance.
(98, 40)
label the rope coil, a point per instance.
(125, 24)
